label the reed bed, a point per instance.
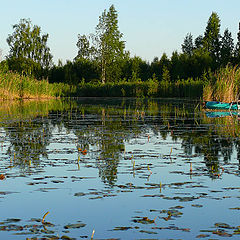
(16, 86)
(183, 88)
(224, 85)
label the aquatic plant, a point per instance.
(20, 86)
(44, 216)
(189, 88)
(223, 86)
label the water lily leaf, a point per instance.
(67, 238)
(77, 225)
(79, 194)
(197, 205)
(121, 228)
(222, 233)
(223, 225)
(148, 232)
(202, 236)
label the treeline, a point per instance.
(199, 57)
(102, 59)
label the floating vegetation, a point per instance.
(2, 177)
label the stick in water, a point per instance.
(44, 217)
(92, 233)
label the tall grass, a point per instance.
(183, 88)
(223, 86)
(16, 86)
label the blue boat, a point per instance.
(222, 105)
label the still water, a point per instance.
(118, 169)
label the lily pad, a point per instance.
(77, 225)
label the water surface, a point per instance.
(118, 169)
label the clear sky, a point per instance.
(150, 27)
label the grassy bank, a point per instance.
(16, 86)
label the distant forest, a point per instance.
(102, 57)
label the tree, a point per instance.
(109, 46)
(178, 63)
(211, 40)
(237, 49)
(187, 46)
(227, 47)
(198, 42)
(166, 74)
(28, 48)
(85, 50)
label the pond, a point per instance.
(118, 169)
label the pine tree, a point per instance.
(187, 46)
(211, 39)
(237, 48)
(227, 47)
(198, 42)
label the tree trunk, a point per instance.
(103, 72)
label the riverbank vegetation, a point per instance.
(223, 86)
(103, 67)
(20, 86)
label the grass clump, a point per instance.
(17, 86)
(223, 86)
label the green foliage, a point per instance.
(187, 46)
(150, 88)
(85, 50)
(105, 47)
(102, 59)
(224, 85)
(109, 46)
(4, 66)
(227, 48)
(211, 40)
(28, 49)
(198, 42)
(237, 48)
(74, 72)
(16, 86)
(165, 74)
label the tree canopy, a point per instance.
(102, 58)
(28, 48)
(211, 39)
(105, 46)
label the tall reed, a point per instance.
(16, 86)
(151, 88)
(224, 85)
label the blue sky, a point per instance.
(150, 28)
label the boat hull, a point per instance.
(221, 105)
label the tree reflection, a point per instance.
(28, 142)
(106, 128)
(106, 125)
